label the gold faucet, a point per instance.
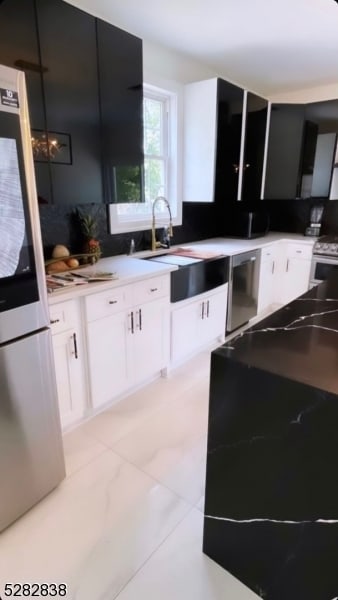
(154, 243)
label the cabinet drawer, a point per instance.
(269, 253)
(108, 302)
(294, 250)
(150, 289)
(63, 316)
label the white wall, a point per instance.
(161, 62)
(314, 94)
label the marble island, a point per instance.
(271, 509)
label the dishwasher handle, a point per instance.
(244, 259)
(247, 262)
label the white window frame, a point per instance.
(159, 96)
(118, 223)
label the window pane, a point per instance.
(152, 141)
(154, 178)
(153, 110)
(128, 184)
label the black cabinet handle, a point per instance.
(140, 319)
(208, 306)
(202, 310)
(287, 265)
(52, 321)
(75, 346)
(273, 267)
(113, 301)
(153, 289)
(132, 322)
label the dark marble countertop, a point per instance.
(299, 341)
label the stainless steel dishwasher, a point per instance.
(242, 303)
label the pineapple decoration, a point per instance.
(89, 230)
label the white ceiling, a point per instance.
(268, 46)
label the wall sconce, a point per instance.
(236, 167)
(45, 146)
(51, 146)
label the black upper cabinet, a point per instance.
(69, 70)
(319, 149)
(84, 83)
(284, 154)
(120, 85)
(19, 49)
(301, 152)
(255, 130)
(229, 132)
(17, 20)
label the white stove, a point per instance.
(327, 245)
(324, 260)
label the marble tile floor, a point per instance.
(127, 521)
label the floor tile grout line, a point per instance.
(139, 425)
(153, 552)
(192, 505)
(129, 462)
(117, 442)
(94, 437)
(69, 475)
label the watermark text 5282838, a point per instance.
(34, 590)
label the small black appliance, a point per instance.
(316, 214)
(248, 225)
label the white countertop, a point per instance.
(230, 246)
(130, 268)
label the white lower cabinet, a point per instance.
(295, 270)
(266, 289)
(131, 345)
(284, 273)
(150, 342)
(268, 277)
(196, 322)
(69, 361)
(295, 280)
(109, 342)
(107, 358)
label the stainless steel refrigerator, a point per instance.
(31, 453)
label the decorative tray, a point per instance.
(91, 258)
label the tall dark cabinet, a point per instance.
(84, 80)
(120, 87)
(69, 70)
(228, 141)
(254, 147)
(284, 153)
(19, 49)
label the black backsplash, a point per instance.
(59, 225)
(200, 221)
(294, 215)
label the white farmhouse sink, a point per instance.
(170, 259)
